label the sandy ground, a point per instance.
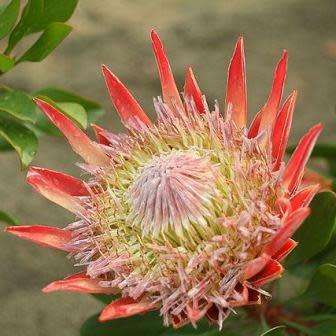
(197, 33)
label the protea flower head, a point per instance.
(189, 215)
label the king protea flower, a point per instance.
(189, 215)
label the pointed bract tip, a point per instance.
(154, 35)
(236, 88)
(105, 69)
(125, 104)
(42, 235)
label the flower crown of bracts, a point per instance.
(190, 215)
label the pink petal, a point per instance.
(99, 133)
(57, 187)
(282, 128)
(124, 307)
(269, 111)
(192, 90)
(295, 167)
(170, 93)
(236, 93)
(79, 282)
(271, 271)
(304, 196)
(127, 107)
(78, 140)
(42, 235)
(292, 223)
(255, 266)
(285, 250)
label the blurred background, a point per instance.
(116, 33)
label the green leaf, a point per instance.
(8, 219)
(75, 111)
(6, 63)
(327, 328)
(8, 17)
(104, 298)
(5, 146)
(276, 331)
(299, 327)
(315, 233)
(22, 139)
(52, 36)
(322, 287)
(19, 105)
(149, 324)
(93, 109)
(294, 282)
(37, 15)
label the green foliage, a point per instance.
(323, 285)
(21, 123)
(6, 63)
(8, 16)
(8, 219)
(103, 298)
(38, 15)
(315, 233)
(147, 325)
(21, 138)
(19, 105)
(93, 109)
(53, 35)
(276, 331)
(76, 112)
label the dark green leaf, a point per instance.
(52, 36)
(5, 146)
(299, 327)
(320, 317)
(19, 105)
(8, 17)
(6, 63)
(276, 331)
(322, 287)
(106, 299)
(93, 109)
(37, 15)
(20, 137)
(294, 282)
(327, 328)
(8, 219)
(316, 231)
(146, 325)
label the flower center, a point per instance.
(173, 194)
